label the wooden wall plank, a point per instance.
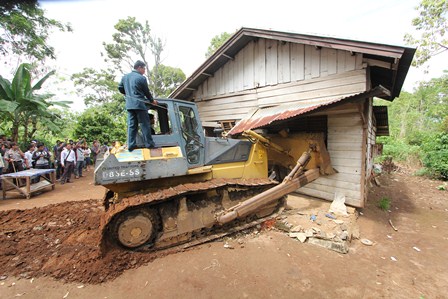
(346, 161)
(308, 61)
(313, 96)
(329, 181)
(248, 66)
(358, 61)
(345, 130)
(315, 62)
(350, 61)
(219, 81)
(238, 72)
(340, 65)
(317, 84)
(344, 137)
(205, 89)
(260, 62)
(206, 107)
(328, 196)
(230, 114)
(324, 62)
(316, 185)
(343, 154)
(271, 62)
(344, 177)
(296, 62)
(226, 77)
(284, 69)
(211, 86)
(332, 61)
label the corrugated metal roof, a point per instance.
(265, 116)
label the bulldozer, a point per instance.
(194, 188)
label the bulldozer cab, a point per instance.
(176, 123)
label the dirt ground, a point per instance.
(48, 249)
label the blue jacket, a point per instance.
(135, 87)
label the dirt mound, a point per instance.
(61, 241)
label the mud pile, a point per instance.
(61, 241)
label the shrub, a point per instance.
(435, 154)
(384, 204)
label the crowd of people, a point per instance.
(69, 158)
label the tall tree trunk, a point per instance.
(15, 128)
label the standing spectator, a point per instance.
(2, 165)
(15, 158)
(2, 145)
(29, 157)
(4, 148)
(41, 157)
(58, 148)
(87, 153)
(79, 154)
(68, 161)
(95, 151)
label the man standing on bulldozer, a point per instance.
(135, 88)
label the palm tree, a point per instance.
(22, 106)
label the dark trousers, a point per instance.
(68, 169)
(36, 180)
(59, 170)
(78, 168)
(15, 166)
(141, 117)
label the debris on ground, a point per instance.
(366, 242)
(317, 225)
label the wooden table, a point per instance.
(11, 182)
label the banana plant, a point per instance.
(22, 105)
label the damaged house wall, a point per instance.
(262, 68)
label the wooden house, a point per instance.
(270, 79)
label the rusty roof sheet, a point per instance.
(265, 116)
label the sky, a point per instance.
(187, 28)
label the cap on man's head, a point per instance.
(138, 64)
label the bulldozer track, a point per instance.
(214, 236)
(199, 236)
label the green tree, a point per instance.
(132, 41)
(169, 79)
(97, 87)
(431, 25)
(97, 123)
(435, 154)
(24, 30)
(217, 42)
(21, 105)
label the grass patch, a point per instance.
(384, 204)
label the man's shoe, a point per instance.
(131, 149)
(69, 182)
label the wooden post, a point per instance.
(28, 187)
(4, 187)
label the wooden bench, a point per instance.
(12, 182)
